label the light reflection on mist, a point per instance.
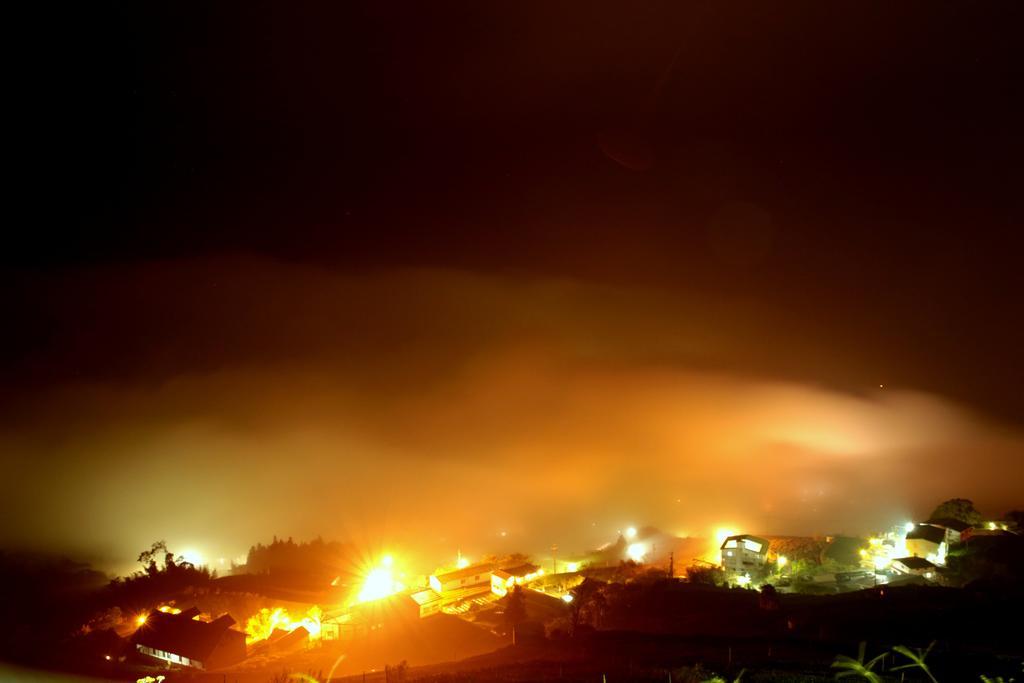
(525, 409)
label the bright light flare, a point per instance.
(193, 556)
(141, 619)
(722, 533)
(743, 580)
(782, 561)
(462, 562)
(909, 526)
(631, 532)
(260, 625)
(380, 582)
(567, 598)
(636, 552)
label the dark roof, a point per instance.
(915, 563)
(926, 532)
(954, 524)
(180, 634)
(746, 537)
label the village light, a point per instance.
(379, 583)
(722, 533)
(636, 552)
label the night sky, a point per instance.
(433, 271)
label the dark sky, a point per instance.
(410, 205)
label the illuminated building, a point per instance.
(462, 582)
(953, 528)
(502, 580)
(182, 640)
(744, 554)
(928, 542)
(915, 566)
(427, 602)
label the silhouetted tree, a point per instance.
(1015, 518)
(587, 603)
(515, 608)
(769, 598)
(957, 508)
(705, 574)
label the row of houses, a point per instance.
(923, 550)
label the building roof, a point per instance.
(424, 597)
(466, 572)
(747, 537)
(182, 635)
(927, 532)
(518, 570)
(948, 523)
(915, 563)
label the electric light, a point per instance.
(567, 598)
(723, 533)
(193, 556)
(631, 532)
(782, 561)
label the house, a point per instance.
(502, 580)
(954, 529)
(183, 640)
(744, 554)
(427, 602)
(915, 566)
(463, 582)
(929, 542)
